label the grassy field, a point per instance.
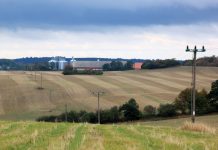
(21, 100)
(138, 136)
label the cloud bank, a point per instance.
(67, 13)
(107, 28)
(129, 42)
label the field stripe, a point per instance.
(113, 140)
(79, 138)
(96, 81)
(73, 90)
(63, 141)
(159, 82)
(146, 87)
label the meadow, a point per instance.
(138, 136)
(20, 98)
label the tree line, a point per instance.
(69, 70)
(156, 64)
(129, 111)
(204, 61)
(118, 66)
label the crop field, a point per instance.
(20, 98)
(137, 136)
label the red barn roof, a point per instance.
(137, 65)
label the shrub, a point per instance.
(213, 96)
(118, 66)
(47, 118)
(82, 72)
(183, 102)
(167, 110)
(154, 64)
(110, 115)
(130, 110)
(149, 111)
(68, 70)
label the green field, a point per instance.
(137, 136)
(21, 100)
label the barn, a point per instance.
(137, 65)
(88, 65)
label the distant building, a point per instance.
(137, 65)
(88, 65)
(57, 63)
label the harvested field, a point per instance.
(20, 98)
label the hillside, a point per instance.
(20, 98)
(33, 135)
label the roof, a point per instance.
(89, 64)
(137, 65)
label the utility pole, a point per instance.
(66, 113)
(41, 80)
(193, 94)
(35, 75)
(98, 94)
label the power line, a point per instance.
(194, 51)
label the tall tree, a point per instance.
(130, 110)
(213, 95)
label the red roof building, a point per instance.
(137, 66)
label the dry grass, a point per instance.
(198, 127)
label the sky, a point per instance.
(144, 29)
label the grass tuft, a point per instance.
(198, 127)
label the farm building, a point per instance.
(88, 65)
(137, 65)
(57, 63)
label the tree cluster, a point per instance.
(69, 70)
(127, 112)
(205, 103)
(205, 61)
(155, 64)
(7, 64)
(118, 66)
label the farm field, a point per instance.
(40, 136)
(21, 100)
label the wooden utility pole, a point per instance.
(193, 94)
(35, 75)
(66, 113)
(41, 81)
(98, 94)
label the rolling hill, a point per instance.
(20, 98)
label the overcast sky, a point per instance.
(107, 28)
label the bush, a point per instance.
(47, 118)
(118, 66)
(167, 110)
(149, 111)
(110, 115)
(155, 64)
(183, 102)
(68, 70)
(213, 96)
(130, 110)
